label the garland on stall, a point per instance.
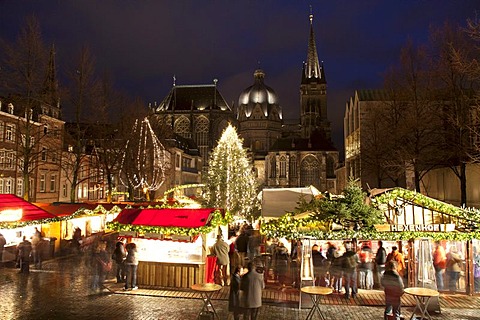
(86, 212)
(21, 224)
(217, 220)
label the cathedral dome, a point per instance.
(258, 94)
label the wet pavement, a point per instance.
(61, 291)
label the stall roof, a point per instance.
(30, 212)
(277, 202)
(173, 217)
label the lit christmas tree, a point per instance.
(230, 181)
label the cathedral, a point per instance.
(293, 154)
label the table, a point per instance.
(206, 290)
(422, 298)
(315, 292)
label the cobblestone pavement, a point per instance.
(60, 291)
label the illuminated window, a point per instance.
(44, 154)
(42, 182)
(2, 127)
(64, 190)
(1, 186)
(20, 187)
(8, 186)
(9, 132)
(201, 131)
(10, 160)
(10, 108)
(182, 127)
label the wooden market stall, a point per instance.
(18, 219)
(172, 243)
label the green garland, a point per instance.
(21, 224)
(217, 220)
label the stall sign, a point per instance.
(132, 234)
(416, 227)
(152, 235)
(10, 215)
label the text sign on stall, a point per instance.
(10, 215)
(416, 227)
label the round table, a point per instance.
(422, 298)
(315, 292)
(206, 290)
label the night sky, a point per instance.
(144, 43)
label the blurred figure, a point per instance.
(396, 256)
(380, 260)
(220, 250)
(476, 269)
(24, 250)
(393, 287)
(76, 239)
(252, 285)
(3, 242)
(234, 296)
(241, 245)
(281, 263)
(336, 272)
(131, 265)
(365, 268)
(453, 268)
(439, 263)
(319, 266)
(254, 242)
(99, 258)
(349, 265)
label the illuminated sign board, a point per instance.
(10, 215)
(416, 227)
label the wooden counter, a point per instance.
(174, 275)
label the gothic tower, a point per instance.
(313, 93)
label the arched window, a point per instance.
(182, 127)
(273, 167)
(310, 172)
(201, 135)
(293, 166)
(330, 167)
(283, 167)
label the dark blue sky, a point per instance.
(144, 43)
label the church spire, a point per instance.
(312, 70)
(50, 88)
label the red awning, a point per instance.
(183, 218)
(30, 211)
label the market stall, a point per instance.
(172, 243)
(18, 219)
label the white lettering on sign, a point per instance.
(422, 227)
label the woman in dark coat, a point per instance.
(234, 297)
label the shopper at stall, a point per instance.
(24, 250)
(350, 262)
(396, 256)
(380, 260)
(254, 241)
(453, 268)
(131, 265)
(252, 285)
(439, 263)
(234, 296)
(119, 255)
(220, 250)
(393, 287)
(365, 268)
(319, 266)
(336, 272)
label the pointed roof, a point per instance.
(312, 69)
(50, 86)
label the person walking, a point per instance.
(349, 267)
(234, 296)
(453, 268)
(365, 268)
(439, 263)
(24, 250)
(220, 250)
(336, 272)
(380, 260)
(396, 256)
(119, 255)
(252, 285)
(281, 263)
(319, 266)
(131, 265)
(393, 287)
(99, 263)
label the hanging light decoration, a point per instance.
(145, 161)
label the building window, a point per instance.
(8, 185)
(182, 127)
(64, 190)
(44, 154)
(310, 172)
(42, 182)
(177, 161)
(10, 108)
(201, 131)
(330, 167)
(293, 166)
(53, 182)
(9, 132)
(10, 160)
(2, 126)
(283, 167)
(20, 187)
(273, 167)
